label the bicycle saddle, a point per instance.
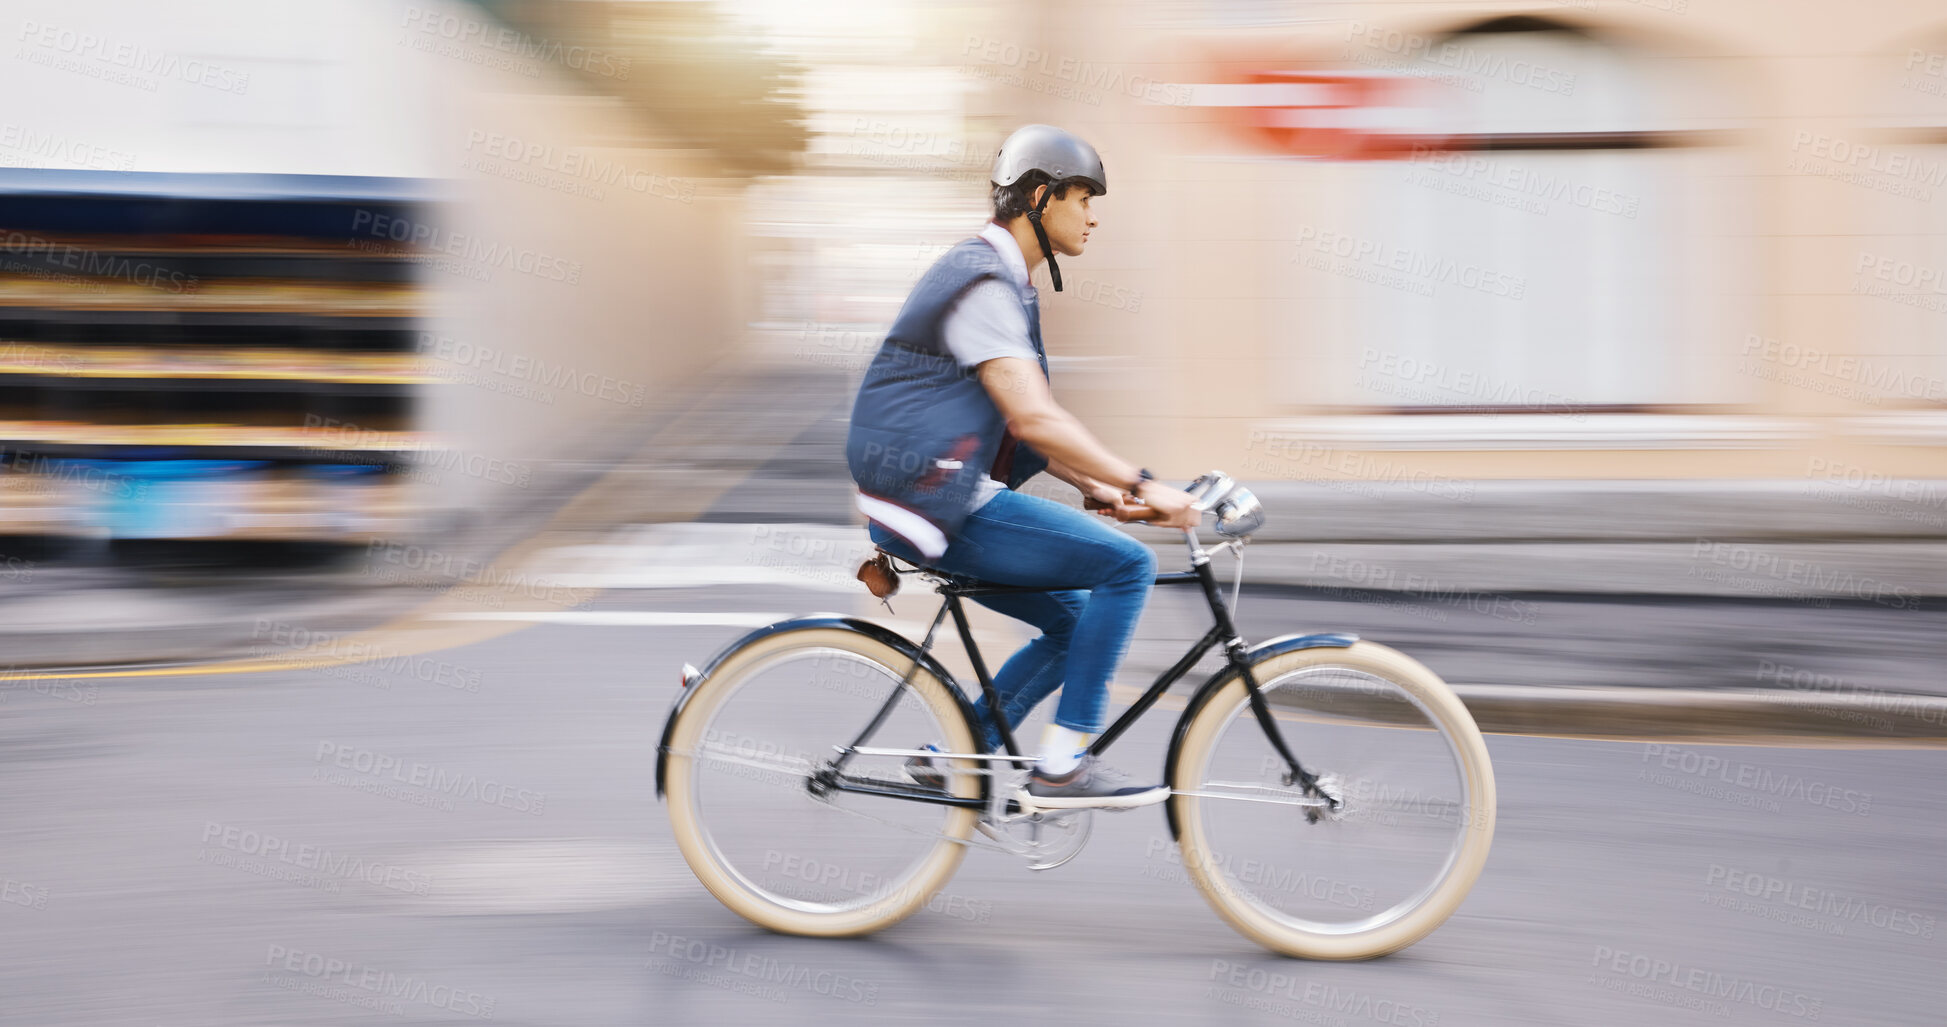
(878, 574)
(881, 577)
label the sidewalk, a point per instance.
(1785, 540)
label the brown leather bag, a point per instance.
(879, 577)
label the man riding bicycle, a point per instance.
(955, 413)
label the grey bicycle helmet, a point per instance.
(1058, 154)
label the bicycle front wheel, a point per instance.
(761, 831)
(1386, 868)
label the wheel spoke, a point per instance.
(1244, 792)
(792, 767)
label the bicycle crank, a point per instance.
(1045, 840)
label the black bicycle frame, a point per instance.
(1222, 631)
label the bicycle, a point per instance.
(802, 832)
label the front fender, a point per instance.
(817, 621)
(1252, 657)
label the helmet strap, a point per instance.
(1034, 218)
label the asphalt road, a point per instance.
(205, 849)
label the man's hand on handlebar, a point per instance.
(1172, 506)
(1159, 505)
(1104, 499)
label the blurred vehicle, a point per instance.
(206, 357)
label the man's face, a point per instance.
(1068, 220)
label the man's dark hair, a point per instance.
(1017, 198)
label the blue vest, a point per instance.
(924, 431)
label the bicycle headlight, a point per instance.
(1239, 514)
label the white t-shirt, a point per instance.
(987, 322)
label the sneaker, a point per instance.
(923, 772)
(1091, 785)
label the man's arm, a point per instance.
(1034, 417)
(1018, 389)
(1110, 500)
(1082, 482)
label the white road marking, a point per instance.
(821, 557)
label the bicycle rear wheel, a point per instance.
(743, 801)
(1417, 817)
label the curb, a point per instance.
(1726, 716)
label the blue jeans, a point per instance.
(1100, 576)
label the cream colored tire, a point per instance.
(902, 895)
(1474, 831)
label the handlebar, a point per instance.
(1209, 490)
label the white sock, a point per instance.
(1061, 749)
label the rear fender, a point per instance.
(817, 621)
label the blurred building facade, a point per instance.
(1646, 273)
(1622, 237)
(1378, 254)
(1645, 240)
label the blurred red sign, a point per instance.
(1330, 115)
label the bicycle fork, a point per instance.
(1235, 649)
